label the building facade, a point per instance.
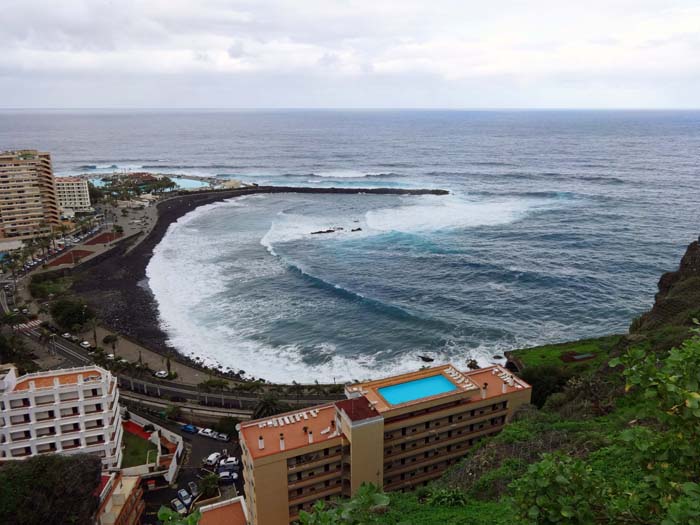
(121, 500)
(66, 411)
(28, 201)
(397, 433)
(73, 194)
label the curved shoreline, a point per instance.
(116, 287)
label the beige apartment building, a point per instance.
(28, 201)
(397, 433)
(73, 194)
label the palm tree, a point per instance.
(92, 323)
(267, 406)
(112, 339)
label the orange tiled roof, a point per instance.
(320, 421)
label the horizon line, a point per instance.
(340, 108)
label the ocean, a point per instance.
(558, 226)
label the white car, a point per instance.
(85, 344)
(228, 461)
(212, 459)
(66, 335)
(110, 357)
(207, 432)
(161, 374)
(227, 476)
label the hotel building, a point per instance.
(397, 433)
(28, 202)
(73, 194)
(66, 411)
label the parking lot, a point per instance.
(198, 448)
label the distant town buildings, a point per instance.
(397, 433)
(73, 194)
(69, 411)
(28, 201)
(121, 500)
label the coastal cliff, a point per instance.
(678, 299)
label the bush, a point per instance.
(545, 380)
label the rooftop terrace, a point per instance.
(295, 429)
(54, 378)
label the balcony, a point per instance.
(314, 463)
(305, 482)
(443, 428)
(316, 495)
(442, 443)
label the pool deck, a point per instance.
(474, 385)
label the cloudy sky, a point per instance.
(350, 53)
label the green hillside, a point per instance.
(615, 440)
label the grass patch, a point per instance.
(551, 355)
(136, 450)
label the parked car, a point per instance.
(85, 344)
(206, 432)
(178, 507)
(220, 436)
(194, 489)
(184, 497)
(25, 311)
(227, 477)
(212, 459)
(66, 335)
(110, 357)
(161, 374)
(228, 461)
(190, 429)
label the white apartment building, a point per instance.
(73, 194)
(74, 410)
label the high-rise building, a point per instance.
(397, 433)
(65, 411)
(73, 194)
(28, 201)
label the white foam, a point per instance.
(348, 174)
(433, 212)
(189, 273)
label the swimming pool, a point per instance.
(416, 389)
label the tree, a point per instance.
(92, 323)
(227, 425)
(172, 412)
(112, 339)
(268, 405)
(367, 501)
(69, 313)
(50, 490)
(209, 485)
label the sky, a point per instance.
(349, 54)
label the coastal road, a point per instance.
(170, 390)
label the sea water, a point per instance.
(558, 226)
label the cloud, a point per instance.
(638, 46)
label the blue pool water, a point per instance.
(416, 389)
